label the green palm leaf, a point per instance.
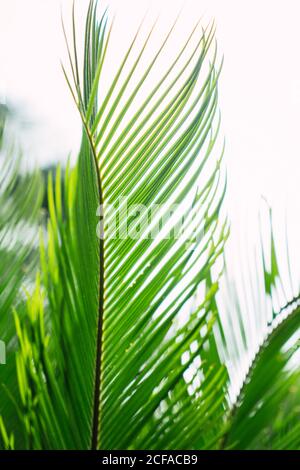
(116, 327)
(20, 201)
(256, 418)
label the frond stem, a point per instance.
(96, 403)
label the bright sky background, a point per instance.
(259, 92)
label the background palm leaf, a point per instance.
(20, 201)
(261, 350)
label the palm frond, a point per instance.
(114, 347)
(260, 349)
(20, 200)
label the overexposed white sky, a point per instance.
(259, 91)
